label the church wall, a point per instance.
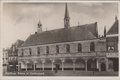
(43, 50)
(73, 47)
(62, 48)
(85, 46)
(34, 51)
(99, 46)
(52, 49)
(26, 52)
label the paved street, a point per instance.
(62, 73)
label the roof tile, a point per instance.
(78, 33)
(114, 28)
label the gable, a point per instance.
(113, 29)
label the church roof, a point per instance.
(19, 43)
(77, 33)
(113, 29)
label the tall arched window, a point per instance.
(47, 49)
(57, 49)
(30, 51)
(38, 50)
(92, 46)
(67, 48)
(79, 47)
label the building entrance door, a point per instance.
(103, 67)
(57, 67)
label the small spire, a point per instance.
(39, 23)
(66, 18)
(39, 30)
(105, 31)
(66, 12)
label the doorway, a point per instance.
(57, 66)
(103, 67)
(91, 65)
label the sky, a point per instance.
(20, 19)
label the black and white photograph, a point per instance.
(76, 39)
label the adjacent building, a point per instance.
(13, 56)
(5, 59)
(112, 46)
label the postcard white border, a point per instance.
(55, 77)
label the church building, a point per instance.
(70, 48)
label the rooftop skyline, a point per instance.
(21, 19)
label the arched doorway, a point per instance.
(29, 65)
(38, 65)
(116, 64)
(22, 65)
(57, 64)
(47, 65)
(68, 64)
(103, 67)
(91, 64)
(79, 64)
(113, 64)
